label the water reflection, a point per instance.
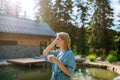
(80, 75)
(44, 73)
(24, 73)
(93, 74)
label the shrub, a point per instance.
(92, 57)
(112, 57)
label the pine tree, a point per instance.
(57, 15)
(103, 21)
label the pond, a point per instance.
(93, 74)
(44, 73)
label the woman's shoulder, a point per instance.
(69, 52)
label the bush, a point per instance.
(112, 57)
(92, 57)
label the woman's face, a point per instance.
(59, 42)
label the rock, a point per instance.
(100, 59)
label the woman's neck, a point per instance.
(62, 49)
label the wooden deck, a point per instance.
(25, 61)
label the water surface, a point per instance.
(93, 74)
(44, 73)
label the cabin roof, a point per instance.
(16, 25)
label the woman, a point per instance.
(63, 59)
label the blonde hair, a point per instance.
(65, 36)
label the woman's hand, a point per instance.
(46, 51)
(51, 58)
(55, 40)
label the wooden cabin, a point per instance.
(22, 37)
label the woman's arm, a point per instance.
(60, 65)
(46, 51)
